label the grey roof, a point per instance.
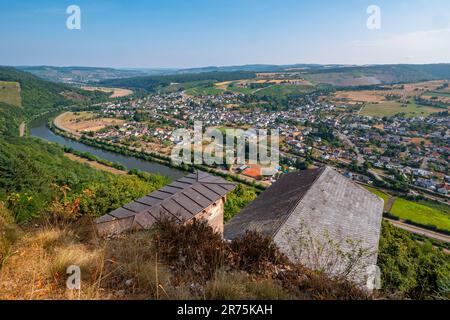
(181, 200)
(323, 197)
(272, 208)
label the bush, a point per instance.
(254, 252)
(250, 267)
(193, 251)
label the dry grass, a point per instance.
(173, 262)
(241, 286)
(247, 268)
(10, 93)
(122, 268)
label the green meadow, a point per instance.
(423, 212)
(391, 108)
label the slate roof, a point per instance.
(272, 208)
(323, 197)
(181, 200)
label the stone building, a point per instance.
(317, 217)
(198, 195)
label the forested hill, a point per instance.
(151, 83)
(38, 95)
(33, 172)
(334, 75)
(35, 96)
(396, 73)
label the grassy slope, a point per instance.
(10, 93)
(203, 91)
(282, 90)
(437, 94)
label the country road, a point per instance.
(420, 231)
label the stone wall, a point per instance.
(108, 227)
(214, 215)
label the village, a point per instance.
(413, 152)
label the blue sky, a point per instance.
(192, 33)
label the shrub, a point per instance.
(254, 252)
(193, 250)
(247, 268)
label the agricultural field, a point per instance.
(392, 108)
(10, 93)
(435, 94)
(115, 92)
(78, 123)
(438, 96)
(267, 87)
(421, 212)
(282, 90)
(391, 100)
(175, 87)
(203, 91)
(344, 79)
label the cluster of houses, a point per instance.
(369, 140)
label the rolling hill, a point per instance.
(80, 74)
(335, 75)
(37, 95)
(152, 83)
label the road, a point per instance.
(420, 231)
(343, 137)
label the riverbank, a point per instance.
(79, 123)
(39, 128)
(147, 156)
(94, 164)
(22, 129)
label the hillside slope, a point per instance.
(39, 95)
(151, 83)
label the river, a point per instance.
(38, 128)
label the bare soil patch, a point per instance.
(82, 122)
